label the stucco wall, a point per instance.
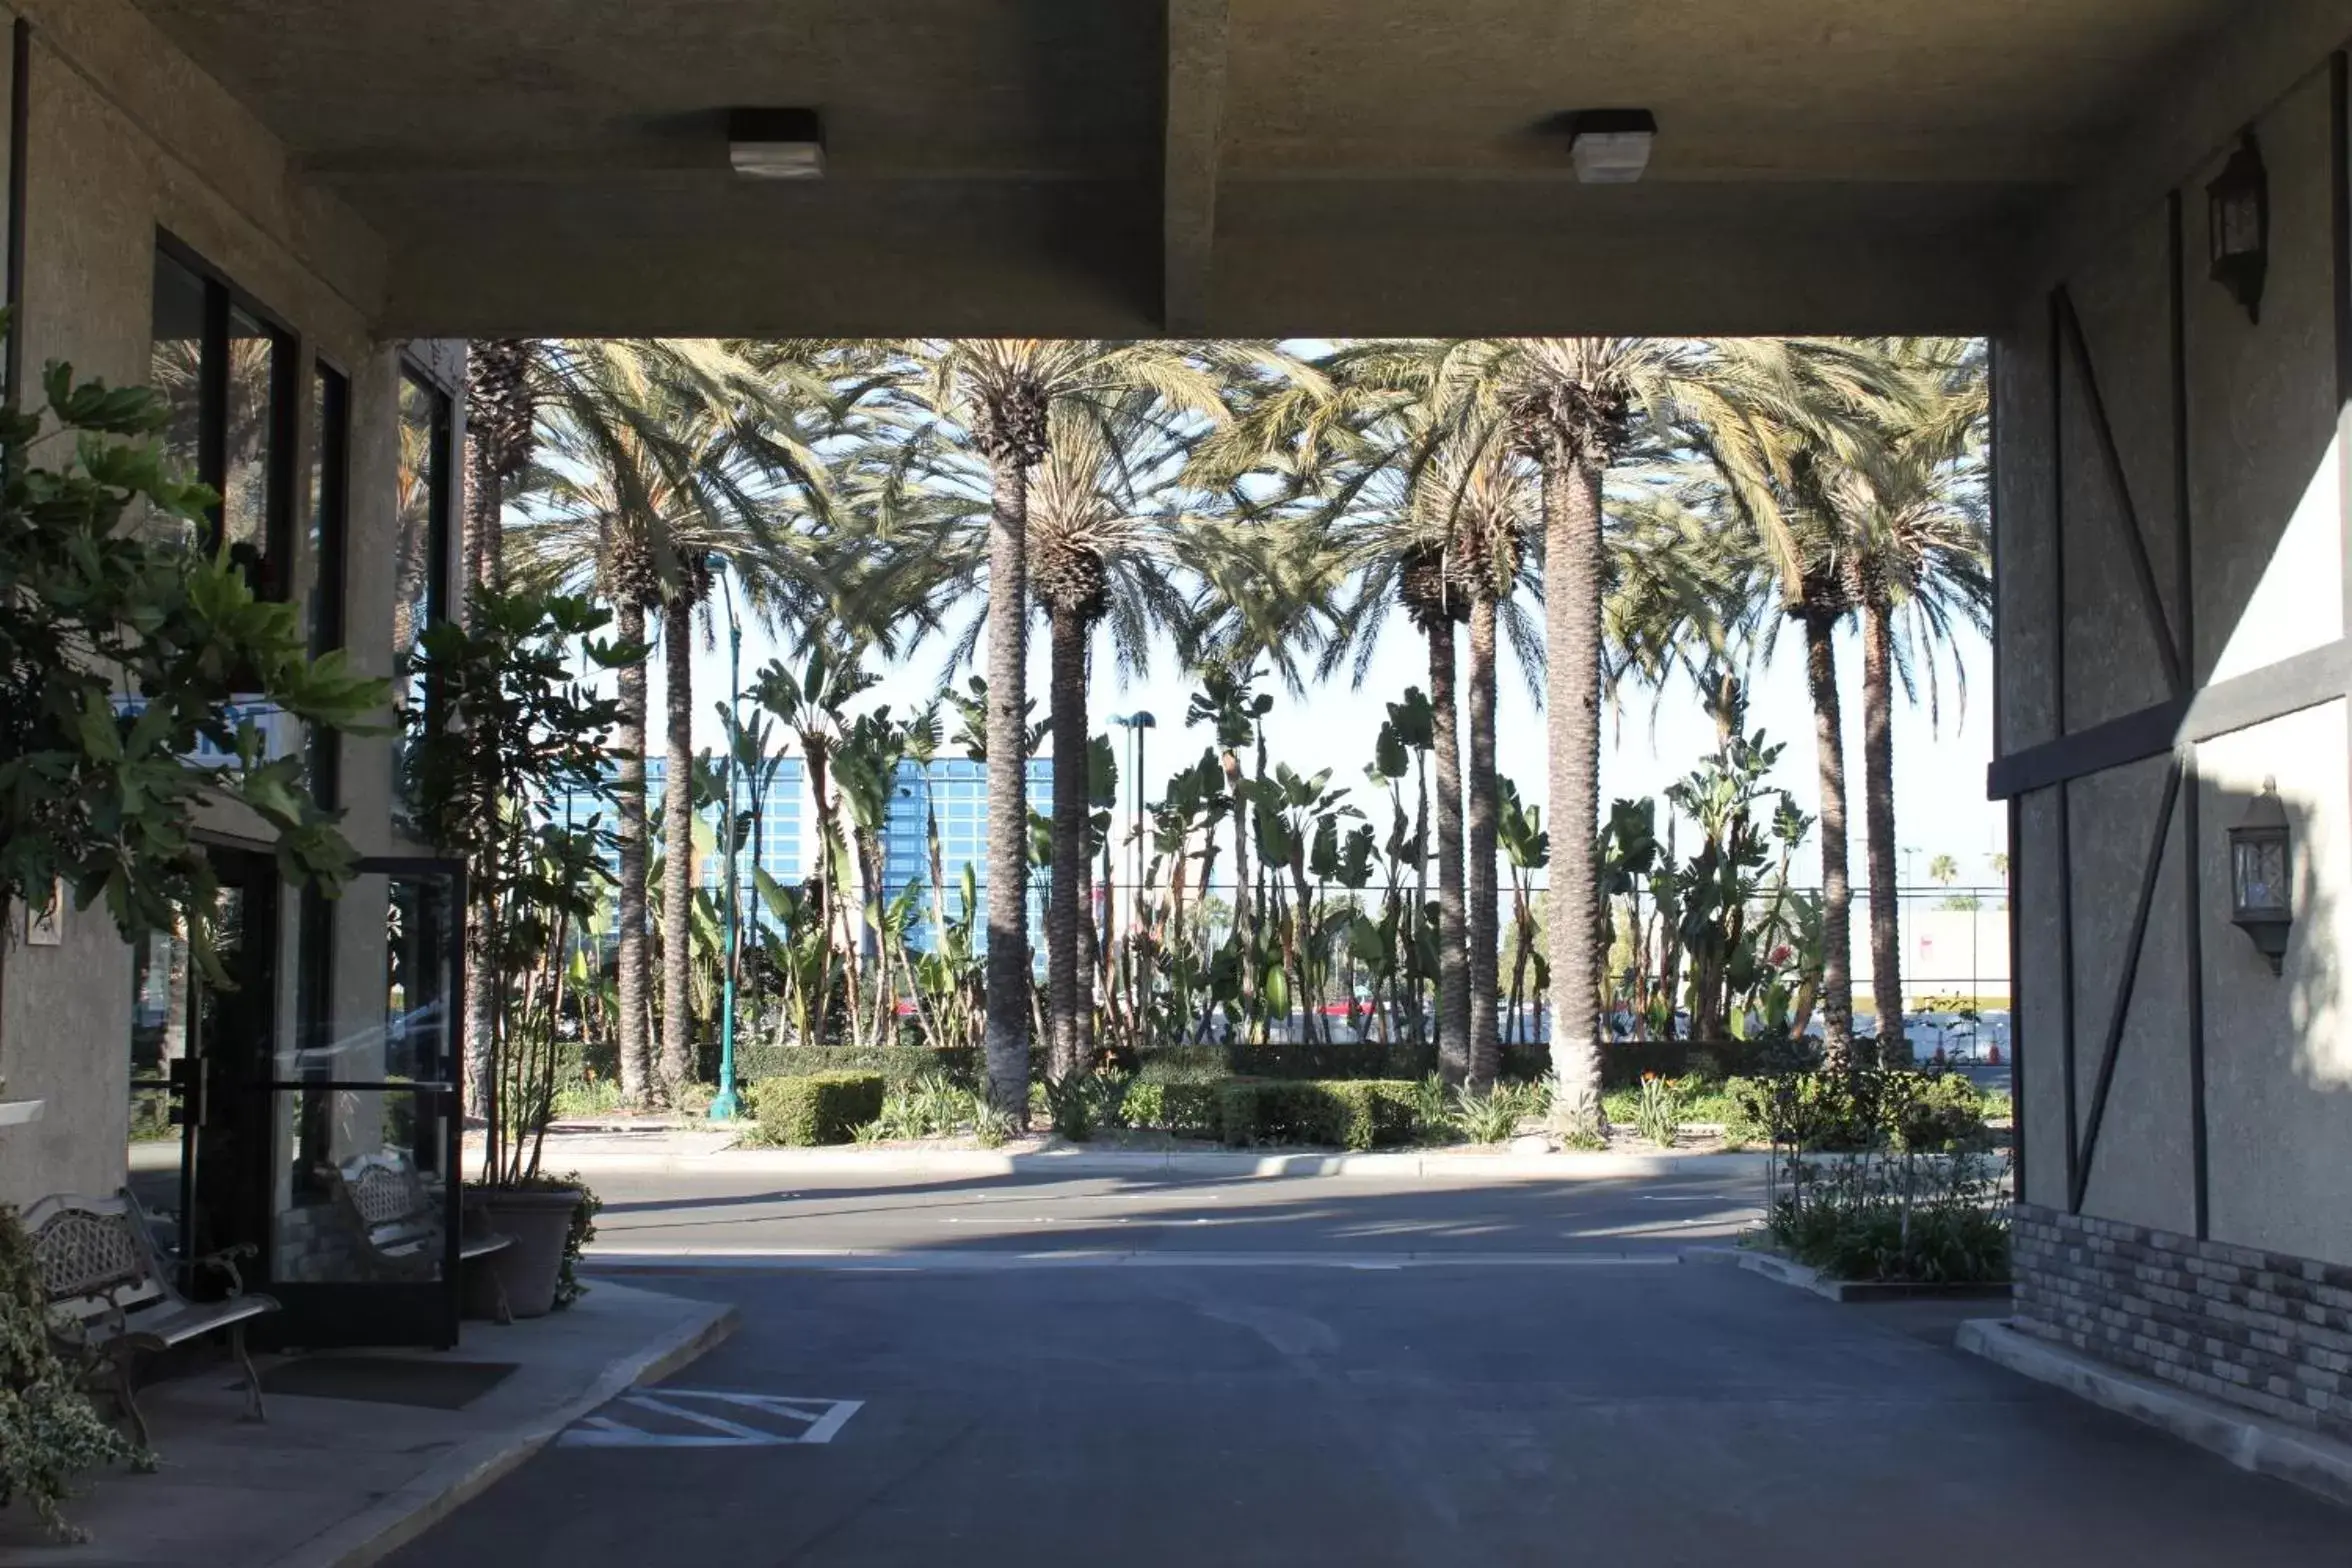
(126, 140)
(2266, 517)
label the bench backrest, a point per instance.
(393, 1206)
(94, 1258)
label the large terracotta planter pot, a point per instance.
(539, 1219)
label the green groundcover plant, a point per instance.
(48, 1431)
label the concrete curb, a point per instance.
(1774, 1267)
(969, 1163)
(401, 1516)
(732, 1260)
(2248, 1441)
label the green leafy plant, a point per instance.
(517, 732)
(1074, 1103)
(991, 1127)
(1940, 1219)
(1657, 1114)
(568, 1287)
(1489, 1117)
(137, 673)
(48, 1431)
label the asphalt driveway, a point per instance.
(1576, 1407)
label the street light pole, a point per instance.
(1135, 724)
(724, 1108)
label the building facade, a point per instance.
(290, 215)
(954, 793)
(774, 839)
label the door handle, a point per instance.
(189, 1083)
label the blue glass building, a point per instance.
(957, 792)
(783, 814)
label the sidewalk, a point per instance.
(664, 1147)
(335, 1483)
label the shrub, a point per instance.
(1934, 1219)
(1491, 1117)
(48, 1431)
(901, 1066)
(1176, 1089)
(1355, 1113)
(1362, 1060)
(1842, 1114)
(1182, 1064)
(1081, 1104)
(1185, 1110)
(1657, 1111)
(817, 1108)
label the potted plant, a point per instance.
(517, 733)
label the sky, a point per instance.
(1940, 805)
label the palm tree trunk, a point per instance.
(1008, 791)
(677, 1046)
(1065, 981)
(1572, 725)
(1829, 739)
(1878, 824)
(1485, 918)
(634, 980)
(1453, 958)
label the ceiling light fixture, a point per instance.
(776, 144)
(1611, 146)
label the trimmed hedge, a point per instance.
(1363, 1060)
(815, 1108)
(1357, 1113)
(1622, 1061)
(899, 1065)
(1188, 1110)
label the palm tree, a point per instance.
(1921, 563)
(1109, 541)
(976, 419)
(1404, 519)
(1810, 413)
(1572, 408)
(666, 458)
(501, 409)
(1493, 515)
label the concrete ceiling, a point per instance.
(1240, 166)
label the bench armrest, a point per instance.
(226, 1261)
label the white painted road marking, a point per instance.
(802, 1421)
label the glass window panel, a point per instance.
(176, 366)
(249, 451)
(330, 409)
(420, 533)
(359, 1203)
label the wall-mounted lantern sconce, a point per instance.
(2239, 202)
(2262, 899)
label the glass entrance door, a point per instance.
(364, 1113)
(198, 1043)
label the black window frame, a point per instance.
(330, 512)
(440, 507)
(222, 298)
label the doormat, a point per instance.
(387, 1380)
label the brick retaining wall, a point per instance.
(2258, 1329)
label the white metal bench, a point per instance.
(401, 1222)
(110, 1296)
